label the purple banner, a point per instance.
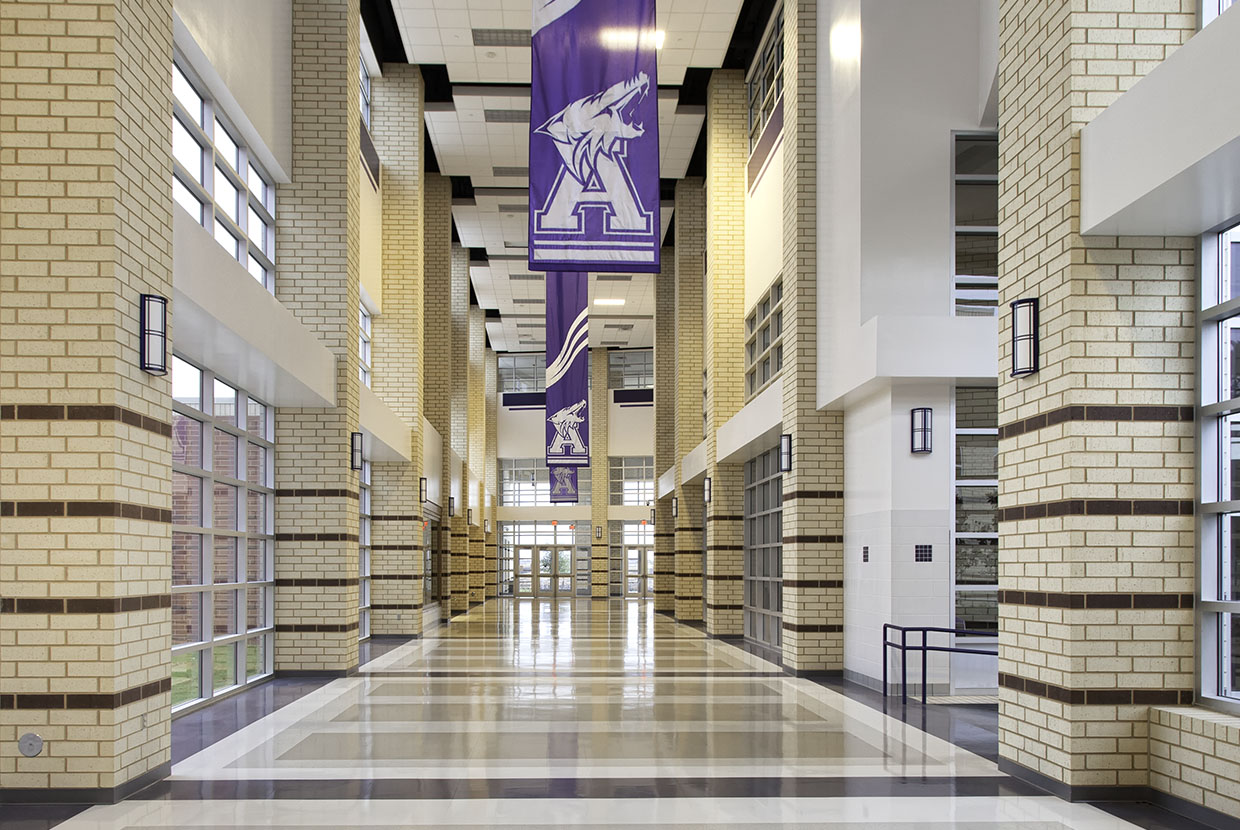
(594, 137)
(568, 355)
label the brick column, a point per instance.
(317, 231)
(1096, 529)
(813, 503)
(396, 511)
(476, 442)
(491, 480)
(690, 272)
(457, 436)
(665, 427)
(85, 476)
(600, 464)
(727, 152)
(437, 342)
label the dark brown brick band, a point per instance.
(815, 629)
(316, 537)
(830, 539)
(317, 494)
(84, 412)
(725, 577)
(316, 628)
(1097, 507)
(86, 701)
(85, 509)
(1046, 599)
(395, 576)
(1096, 413)
(813, 583)
(410, 606)
(725, 547)
(395, 547)
(83, 605)
(793, 495)
(688, 530)
(720, 607)
(1097, 697)
(724, 517)
(343, 582)
(667, 534)
(396, 517)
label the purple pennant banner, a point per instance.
(568, 408)
(594, 137)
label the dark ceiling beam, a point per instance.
(384, 32)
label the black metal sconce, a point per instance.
(920, 426)
(486, 525)
(451, 506)
(675, 507)
(469, 515)
(355, 451)
(785, 453)
(153, 337)
(422, 490)
(652, 517)
(706, 490)
(1024, 337)
(598, 531)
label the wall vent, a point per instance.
(923, 553)
(501, 37)
(510, 172)
(506, 116)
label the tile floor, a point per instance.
(579, 713)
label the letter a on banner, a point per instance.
(594, 137)
(568, 396)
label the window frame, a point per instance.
(521, 372)
(955, 535)
(764, 82)
(365, 345)
(630, 369)
(975, 287)
(364, 549)
(517, 489)
(618, 494)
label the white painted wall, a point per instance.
(630, 429)
(764, 228)
(519, 433)
(894, 500)
(249, 48)
(885, 281)
(432, 462)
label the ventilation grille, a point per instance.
(529, 325)
(510, 172)
(614, 343)
(529, 301)
(614, 277)
(865, 553)
(506, 116)
(619, 326)
(530, 277)
(923, 553)
(501, 37)
(514, 208)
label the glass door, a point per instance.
(525, 572)
(638, 572)
(555, 571)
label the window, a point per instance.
(364, 78)
(764, 346)
(1218, 517)
(975, 441)
(364, 369)
(217, 180)
(222, 536)
(1210, 9)
(523, 372)
(766, 77)
(525, 482)
(630, 369)
(363, 553)
(764, 551)
(632, 480)
(975, 208)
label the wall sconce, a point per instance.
(355, 451)
(451, 506)
(1024, 337)
(706, 489)
(652, 516)
(486, 525)
(675, 507)
(469, 515)
(785, 453)
(153, 334)
(422, 490)
(598, 531)
(921, 420)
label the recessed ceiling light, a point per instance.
(606, 301)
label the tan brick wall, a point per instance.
(690, 276)
(476, 445)
(813, 510)
(396, 535)
(317, 232)
(491, 482)
(727, 152)
(437, 339)
(1194, 754)
(457, 436)
(85, 228)
(600, 495)
(1117, 330)
(664, 427)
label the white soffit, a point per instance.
(1163, 159)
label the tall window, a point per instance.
(363, 552)
(222, 532)
(976, 534)
(766, 77)
(522, 372)
(526, 482)
(1218, 532)
(364, 369)
(630, 369)
(764, 344)
(217, 179)
(764, 550)
(975, 206)
(632, 480)
(364, 79)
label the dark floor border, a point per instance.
(83, 795)
(328, 673)
(1132, 794)
(640, 787)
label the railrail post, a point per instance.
(904, 665)
(885, 626)
(925, 681)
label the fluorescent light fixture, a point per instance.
(628, 38)
(608, 301)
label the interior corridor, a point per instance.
(582, 713)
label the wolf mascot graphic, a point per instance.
(567, 424)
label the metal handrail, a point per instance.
(904, 648)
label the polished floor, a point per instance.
(579, 713)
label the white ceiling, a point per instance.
(487, 127)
